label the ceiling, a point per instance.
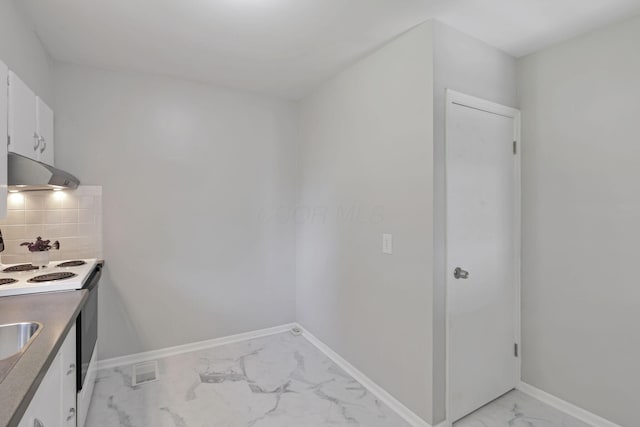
(287, 47)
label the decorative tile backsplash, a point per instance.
(72, 217)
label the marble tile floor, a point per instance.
(276, 381)
(517, 409)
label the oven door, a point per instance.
(87, 327)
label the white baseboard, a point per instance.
(566, 407)
(407, 414)
(186, 348)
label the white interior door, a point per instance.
(4, 131)
(483, 196)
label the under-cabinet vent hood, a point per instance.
(26, 174)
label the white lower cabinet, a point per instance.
(54, 404)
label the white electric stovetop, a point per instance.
(22, 282)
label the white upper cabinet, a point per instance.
(30, 122)
(44, 123)
(22, 118)
(4, 118)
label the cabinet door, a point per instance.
(45, 409)
(4, 132)
(54, 404)
(68, 352)
(44, 122)
(22, 118)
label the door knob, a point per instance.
(459, 273)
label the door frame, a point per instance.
(457, 98)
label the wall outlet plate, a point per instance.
(387, 243)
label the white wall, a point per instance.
(464, 64)
(365, 169)
(22, 51)
(189, 174)
(581, 106)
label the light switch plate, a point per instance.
(387, 244)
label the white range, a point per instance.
(18, 279)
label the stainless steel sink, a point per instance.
(14, 340)
(15, 337)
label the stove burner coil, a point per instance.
(71, 263)
(20, 267)
(51, 277)
(7, 281)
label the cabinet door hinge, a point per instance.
(515, 147)
(516, 352)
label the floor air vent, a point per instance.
(144, 373)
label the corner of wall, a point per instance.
(343, 146)
(23, 51)
(467, 65)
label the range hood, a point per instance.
(26, 174)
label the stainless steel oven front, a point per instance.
(86, 346)
(87, 326)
